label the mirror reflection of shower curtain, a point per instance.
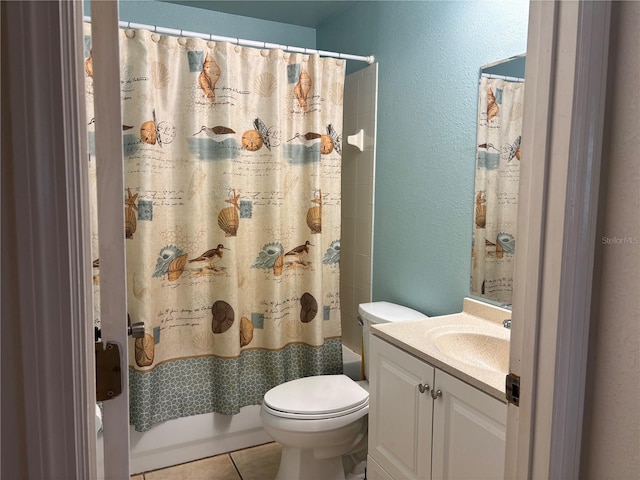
(500, 112)
(232, 219)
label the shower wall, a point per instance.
(358, 169)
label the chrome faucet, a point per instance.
(506, 323)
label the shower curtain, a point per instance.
(500, 110)
(232, 162)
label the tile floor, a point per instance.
(256, 463)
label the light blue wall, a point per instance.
(153, 12)
(429, 56)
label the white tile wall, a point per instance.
(358, 171)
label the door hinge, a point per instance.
(513, 389)
(108, 371)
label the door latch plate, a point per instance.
(108, 371)
(513, 389)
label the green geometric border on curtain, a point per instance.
(195, 386)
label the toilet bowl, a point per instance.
(321, 421)
(317, 420)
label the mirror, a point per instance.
(499, 133)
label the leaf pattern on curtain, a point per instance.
(500, 112)
(232, 165)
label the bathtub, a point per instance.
(199, 436)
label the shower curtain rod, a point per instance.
(503, 77)
(504, 60)
(239, 41)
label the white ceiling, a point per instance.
(304, 13)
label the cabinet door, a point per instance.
(468, 432)
(399, 415)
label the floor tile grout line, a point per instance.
(228, 454)
(234, 465)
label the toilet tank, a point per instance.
(374, 313)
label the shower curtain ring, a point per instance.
(129, 25)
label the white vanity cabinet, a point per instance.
(459, 434)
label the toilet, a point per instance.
(321, 421)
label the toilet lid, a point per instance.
(314, 397)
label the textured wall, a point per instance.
(430, 54)
(612, 424)
(153, 12)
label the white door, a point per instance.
(400, 412)
(110, 185)
(469, 429)
(563, 117)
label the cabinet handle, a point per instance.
(436, 393)
(423, 388)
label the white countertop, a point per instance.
(486, 372)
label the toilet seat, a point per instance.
(316, 398)
(319, 416)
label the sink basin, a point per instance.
(476, 349)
